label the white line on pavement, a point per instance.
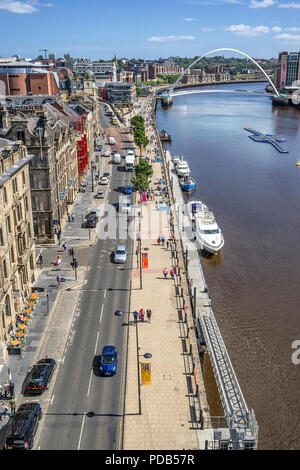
(96, 342)
(90, 381)
(81, 431)
(101, 313)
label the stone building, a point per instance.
(50, 137)
(17, 248)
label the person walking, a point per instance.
(165, 272)
(135, 316)
(149, 315)
(4, 409)
(163, 239)
(158, 241)
(6, 389)
(64, 245)
(142, 315)
(167, 244)
(11, 389)
(41, 259)
(58, 281)
(12, 405)
(172, 273)
(72, 217)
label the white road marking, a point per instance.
(90, 381)
(104, 293)
(81, 431)
(96, 342)
(51, 401)
(101, 313)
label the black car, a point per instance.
(40, 376)
(22, 427)
(91, 221)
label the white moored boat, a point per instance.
(182, 168)
(208, 234)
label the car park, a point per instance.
(128, 189)
(108, 360)
(40, 376)
(22, 427)
(120, 255)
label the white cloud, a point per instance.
(246, 30)
(290, 37)
(190, 19)
(262, 4)
(292, 29)
(289, 5)
(276, 29)
(207, 30)
(14, 6)
(17, 7)
(170, 38)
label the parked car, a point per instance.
(104, 180)
(40, 376)
(120, 255)
(128, 189)
(91, 221)
(100, 194)
(108, 360)
(22, 427)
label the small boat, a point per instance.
(208, 234)
(164, 136)
(187, 184)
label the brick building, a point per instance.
(23, 78)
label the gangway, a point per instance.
(242, 426)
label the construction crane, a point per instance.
(45, 51)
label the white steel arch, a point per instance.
(226, 49)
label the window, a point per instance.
(4, 268)
(15, 185)
(1, 237)
(23, 178)
(21, 136)
(5, 194)
(8, 224)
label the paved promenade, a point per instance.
(165, 414)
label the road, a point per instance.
(86, 410)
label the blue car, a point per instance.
(128, 189)
(108, 360)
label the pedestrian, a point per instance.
(12, 405)
(135, 316)
(141, 312)
(172, 273)
(158, 241)
(41, 259)
(11, 389)
(167, 244)
(59, 237)
(4, 409)
(69, 218)
(165, 273)
(149, 315)
(6, 389)
(163, 240)
(64, 245)
(58, 280)
(142, 315)
(72, 217)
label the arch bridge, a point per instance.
(224, 49)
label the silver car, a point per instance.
(120, 255)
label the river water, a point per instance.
(254, 284)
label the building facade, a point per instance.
(17, 248)
(124, 92)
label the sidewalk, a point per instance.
(166, 414)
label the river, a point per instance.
(254, 284)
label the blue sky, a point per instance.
(148, 29)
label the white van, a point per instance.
(125, 205)
(117, 158)
(111, 140)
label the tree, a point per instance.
(143, 168)
(141, 182)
